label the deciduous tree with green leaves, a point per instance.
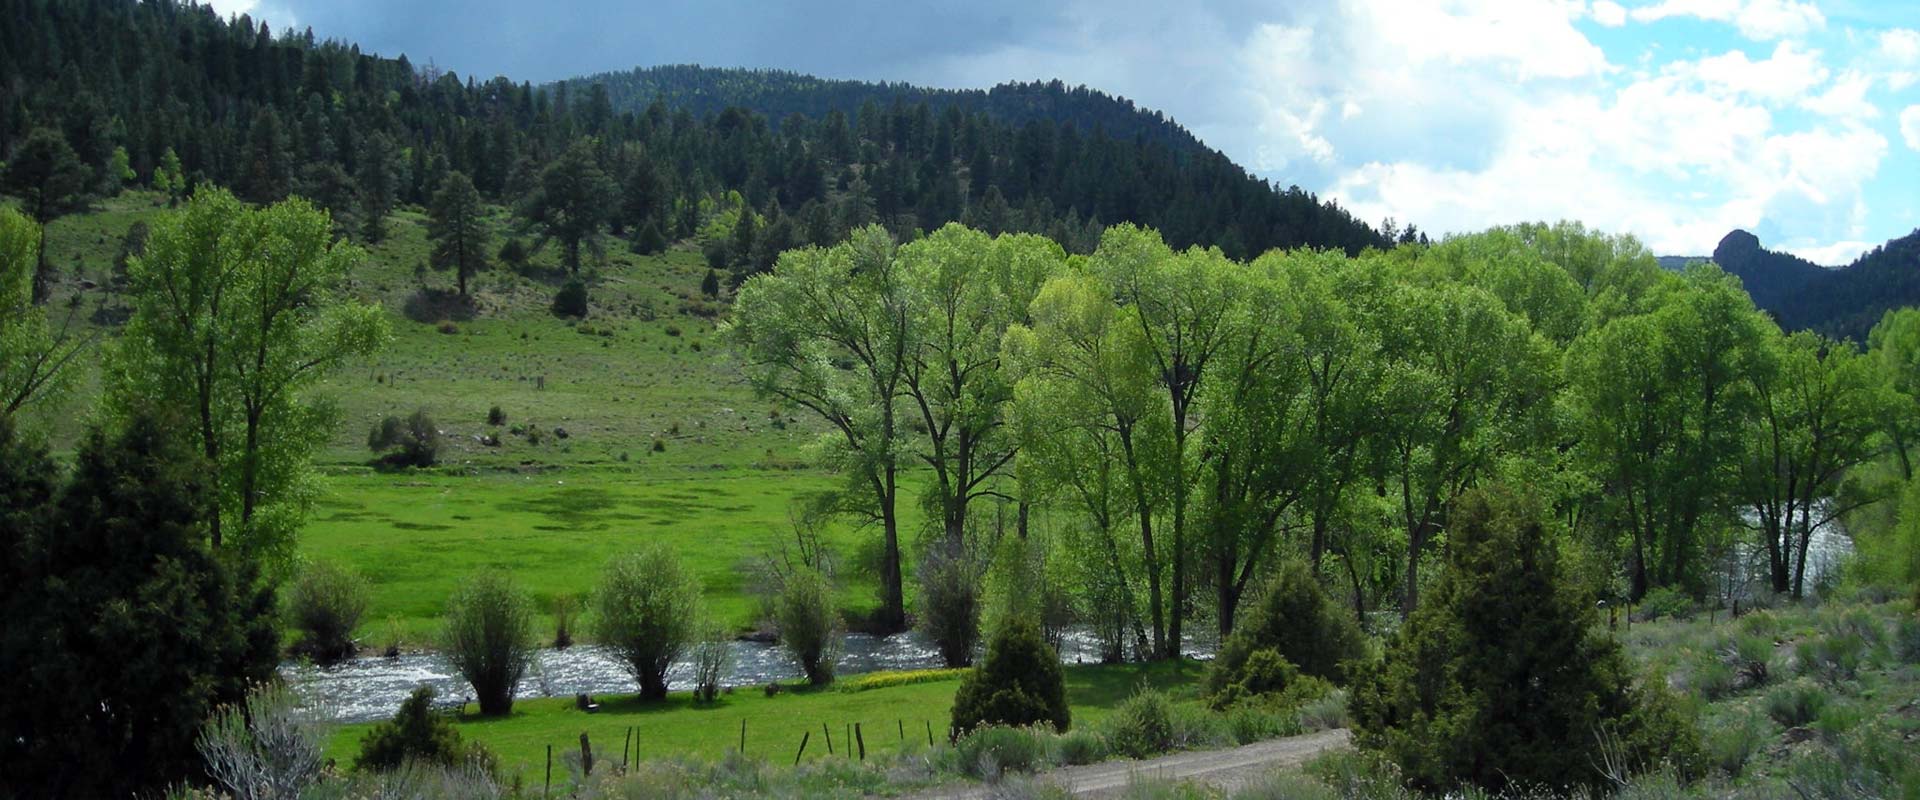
(237, 312)
(33, 357)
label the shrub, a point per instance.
(1295, 621)
(992, 750)
(564, 608)
(325, 603)
(1142, 726)
(263, 748)
(1665, 602)
(1500, 679)
(1796, 704)
(711, 656)
(949, 608)
(808, 624)
(1761, 623)
(645, 612)
(649, 241)
(1731, 745)
(1906, 640)
(884, 680)
(1019, 683)
(1833, 658)
(416, 733)
(1262, 676)
(1249, 723)
(496, 417)
(412, 443)
(488, 635)
(1325, 713)
(514, 253)
(710, 285)
(1712, 678)
(1080, 747)
(571, 300)
(1751, 658)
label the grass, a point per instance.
(775, 725)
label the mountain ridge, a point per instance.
(1843, 301)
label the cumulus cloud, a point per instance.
(1760, 20)
(1609, 14)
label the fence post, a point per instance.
(829, 734)
(861, 739)
(902, 725)
(929, 732)
(548, 786)
(803, 747)
(743, 736)
(586, 755)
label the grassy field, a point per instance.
(678, 727)
(416, 536)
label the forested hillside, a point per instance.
(1843, 302)
(131, 88)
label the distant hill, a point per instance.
(778, 93)
(1844, 302)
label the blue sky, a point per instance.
(1673, 120)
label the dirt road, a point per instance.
(1227, 769)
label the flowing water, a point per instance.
(365, 689)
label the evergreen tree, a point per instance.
(1019, 683)
(458, 229)
(571, 201)
(379, 181)
(124, 631)
(51, 183)
(1501, 680)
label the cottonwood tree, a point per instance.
(51, 183)
(828, 330)
(1820, 407)
(457, 226)
(1089, 406)
(237, 312)
(33, 357)
(1894, 344)
(1183, 306)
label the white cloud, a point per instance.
(1910, 126)
(1787, 74)
(1609, 14)
(1846, 99)
(1760, 20)
(1837, 254)
(1897, 56)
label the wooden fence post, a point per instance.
(586, 755)
(743, 735)
(803, 747)
(547, 787)
(861, 739)
(829, 734)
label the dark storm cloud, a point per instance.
(544, 41)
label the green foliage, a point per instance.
(571, 202)
(992, 750)
(417, 733)
(458, 229)
(1019, 683)
(712, 654)
(1832, 658)
(949, 607)
(32, 356)
(808, 623)
(1750, 656)
(645, 611)
(236, 315)
(883, 680)
(488, 635)
(571, 300)
(1295, 625)
(1142, 726)
(710, 285)
(1797, 703)
(413, 443)
(266, 747)
(124, 631)
(325, 603)
(1665, 602)
(1501, 679)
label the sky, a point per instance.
(1673, 120)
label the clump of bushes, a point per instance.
(571, 300)
(564, 608)
(496, 417)
(808, 624)
(992, 750)
(1796, 704)
(488, 635)
(1295, 632)
(1499, 680)
(414, 442)
(1665, 602)
(1019, 683)
(1751, 658)
(418, 734)
(1833, 658)
(711, 655)
(1142, 726)
(265, 742)
(646, 612)
(325, 603)
(949, 608)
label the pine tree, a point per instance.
(458, 229)
(379, 181)
(571, 202)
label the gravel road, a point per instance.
(1226, 769)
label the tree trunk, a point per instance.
(894, 604)
(42, 277)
